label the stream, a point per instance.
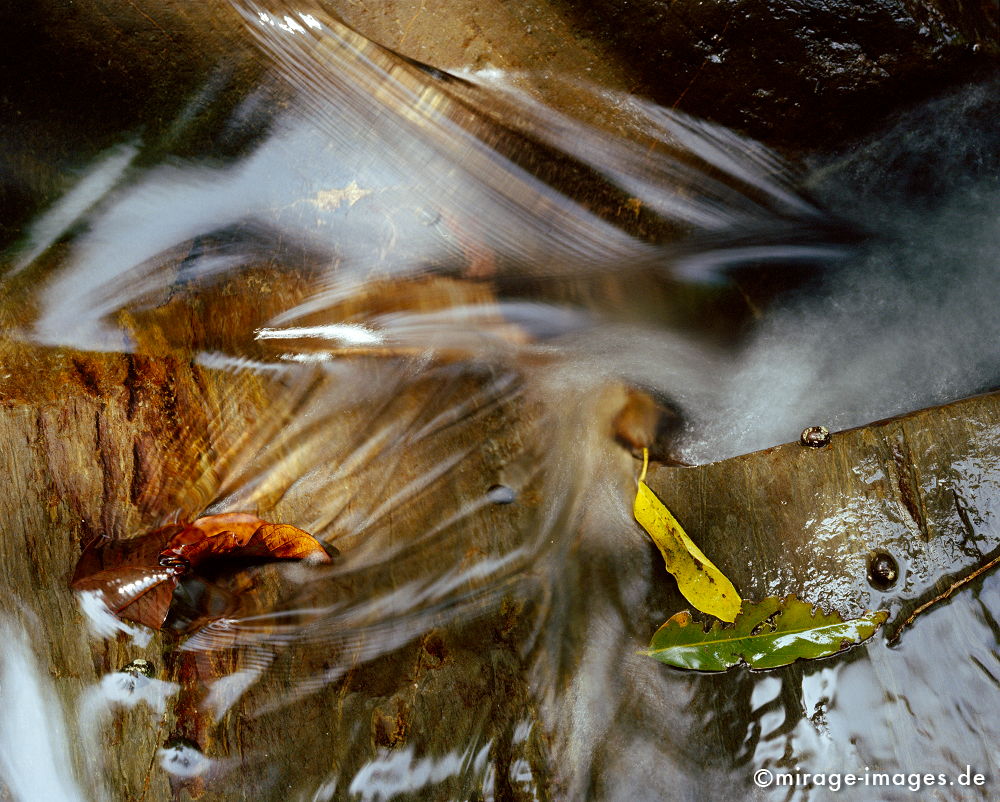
(420, 301)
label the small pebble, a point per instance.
(501, 494)
(139, 668)
(883, 571)
(815, 437)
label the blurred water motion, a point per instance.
(440, 286)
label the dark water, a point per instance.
(442, 286)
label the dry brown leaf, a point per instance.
(137, 577)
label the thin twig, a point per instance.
(942, 596)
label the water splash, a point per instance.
(36, 756)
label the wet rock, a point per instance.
(803, 74)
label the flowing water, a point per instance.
(435, 290)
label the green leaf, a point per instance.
(700, 582)
(768, 634)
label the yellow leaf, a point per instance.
(701, 583)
